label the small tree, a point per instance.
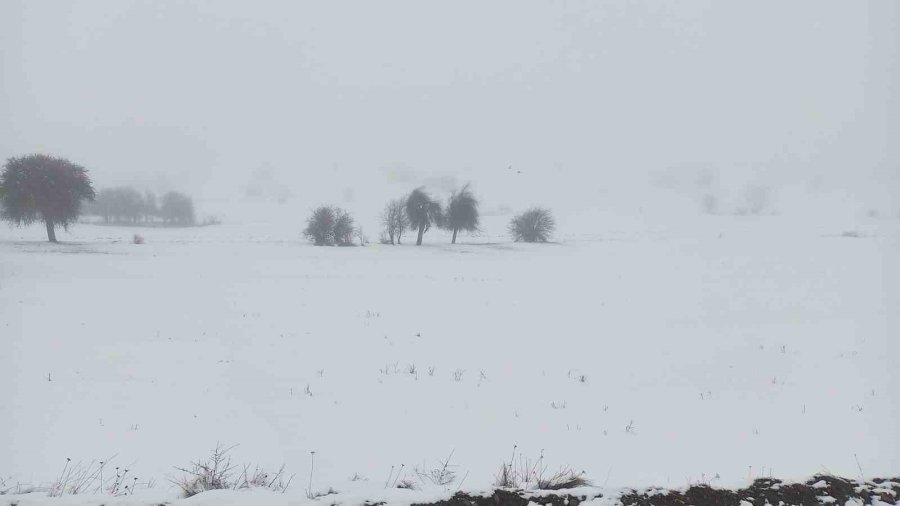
(177, 208)
(360, 236)
(320, 226)
(343, 227)
(422, 212)
(394, 219)
(534, 225)
(43, 188)
(462, 212)
(329, 226)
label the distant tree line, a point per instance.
(419, 212)
(126, 205)
(56, 191)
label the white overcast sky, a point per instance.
(335, 98)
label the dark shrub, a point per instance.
(534, 225)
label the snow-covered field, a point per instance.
(717, 350)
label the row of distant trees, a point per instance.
(128, 205)
(55, 191)
(418, 212)
(52, 190)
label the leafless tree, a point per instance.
(394, 219)
(343, 227)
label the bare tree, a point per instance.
(343, 227)
(43, 188)
(462, 212)
(394, 219)
(360, 236)
(534, 225)
(423, 212)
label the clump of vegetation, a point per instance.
(329, 226)
(406, 483)
(563, 479)
(534, 225)
(92, 477)
(316, 495)
(43, 188)
(442, 475)
(217, 473)
(523, 473)
(399, 481)
(7, 486)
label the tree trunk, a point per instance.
(392, 239)
(51, 230)
(421, 233)
(455, 230)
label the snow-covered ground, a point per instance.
(716, 350)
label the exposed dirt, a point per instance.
(503, 497)
(820, 490)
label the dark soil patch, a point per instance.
(820, 490)
(817, 491)
(503, 497)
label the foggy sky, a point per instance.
(333, 100)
